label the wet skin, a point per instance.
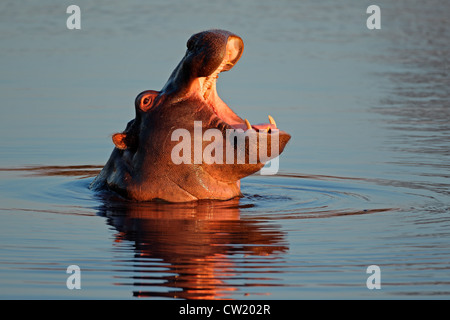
(141, 166)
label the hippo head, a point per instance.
(185, 143)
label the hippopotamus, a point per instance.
(150, 161)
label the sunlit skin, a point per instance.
(141, 168)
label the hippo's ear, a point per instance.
(119, 140)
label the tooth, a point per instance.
(249, 127)
(272, 121)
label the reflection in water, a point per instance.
(197, 245)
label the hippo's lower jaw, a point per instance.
(185, 143)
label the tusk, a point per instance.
(249, 127)
(272, 121)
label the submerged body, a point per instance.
(142, 166)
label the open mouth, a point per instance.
(208, 92)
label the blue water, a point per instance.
(363, 181)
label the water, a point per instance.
(363, 181)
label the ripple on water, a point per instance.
(291, 196)
(283, 196)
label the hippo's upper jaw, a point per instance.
(185, 143)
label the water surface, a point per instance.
(364, 179)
